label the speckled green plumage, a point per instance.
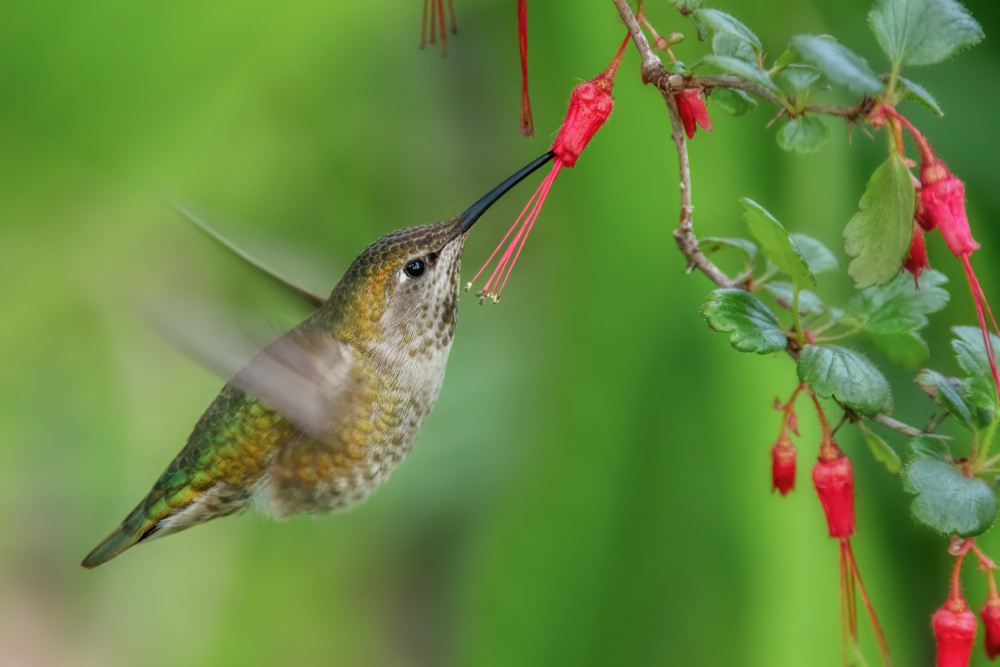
(243, 452)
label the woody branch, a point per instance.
(654, 73)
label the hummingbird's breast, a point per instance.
(397, 377)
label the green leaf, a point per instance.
(898, 306)
(970, 351)
(881, 450)
(950, 394)
(804, 134)
(799, 80)
(878, 235)
(776, 245)
(753, 326)
(741, 68)
(838, 63)
(721, 22)
(687, 4)
(818, 257)
(948, 501)
(676, 67)
(732, 101)
(846, 375)
(908, 350)
(787, 58)
(713, 244)
(928, 446)
(922, 32)
(724, 44)
(784, 294)
(917, 92)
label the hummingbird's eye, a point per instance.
(416, 268)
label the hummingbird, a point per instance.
(322, 415)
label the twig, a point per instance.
(649, 59)
(654, 73)
(896, 425)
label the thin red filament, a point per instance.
(525, 221)
(527, 123)
(980, 300)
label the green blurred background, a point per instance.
(593, 486)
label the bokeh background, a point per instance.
(593, 486)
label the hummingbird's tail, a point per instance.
(136, 528)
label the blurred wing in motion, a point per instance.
(306, 377)
(305, 374)
(308, 296)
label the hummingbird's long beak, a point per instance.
(473, 213)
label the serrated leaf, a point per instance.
(710, 244)
(784, 294)
(776, 245)
(724, 44)
(846, 375)
(950, 394)
(898, 306)
(922, 32)
(804, 134)
(721, 22)
(837, 63)
(908, 350)
(948, 501)
(881, 450)
(915, 91)
(928, 446)
(878, 235)
(732, 101)
(819, 258)
(970, 351)
(742, 68)
(798, 80)
(753, 327)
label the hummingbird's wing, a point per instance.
(305, 374)
(311, 298)
(306, 377)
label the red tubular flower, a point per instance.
(437, 15)
(990, 613)
(590, 106)
(916, 261)
(527, 124)
(942, 206)
(691, 107)
(954, 633)
(833, 478)
(783, 455)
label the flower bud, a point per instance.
(783, 455)
(990, 613)
(916, 261)
(691, 108)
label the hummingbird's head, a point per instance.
(407, 282)
(405, 285)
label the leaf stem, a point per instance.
(987, 442)
(796, 317)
